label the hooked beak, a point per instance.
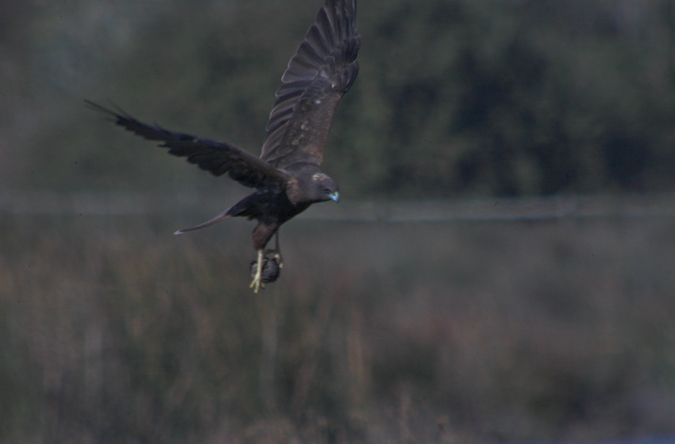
(335, 196)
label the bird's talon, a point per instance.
(256, 284)
(277, 257)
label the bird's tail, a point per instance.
(221, 217)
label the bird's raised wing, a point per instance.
(323, 68)
(215, 157)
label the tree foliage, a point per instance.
(487, 97)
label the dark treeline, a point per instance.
(489, 97)
(534, 97)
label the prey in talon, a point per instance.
(288, 175)
(271, 268)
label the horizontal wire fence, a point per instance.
(381, 211)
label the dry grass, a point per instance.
(115, 331)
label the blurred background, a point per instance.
(500, 268)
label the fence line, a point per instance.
(427, 211)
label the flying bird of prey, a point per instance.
(287, 176)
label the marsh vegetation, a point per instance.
(115, 331)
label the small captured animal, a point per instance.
(287, 176)
(271, 267)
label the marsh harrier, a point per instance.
(287, 176)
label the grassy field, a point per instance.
(115, 331)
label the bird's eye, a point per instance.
(327, 190)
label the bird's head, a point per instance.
(324, 188)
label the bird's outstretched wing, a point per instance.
(323, 68)
(215, 157)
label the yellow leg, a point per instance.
(277, 253)
(257, 280)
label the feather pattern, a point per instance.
(322, 70)
(218, 158)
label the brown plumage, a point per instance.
(287, 175)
